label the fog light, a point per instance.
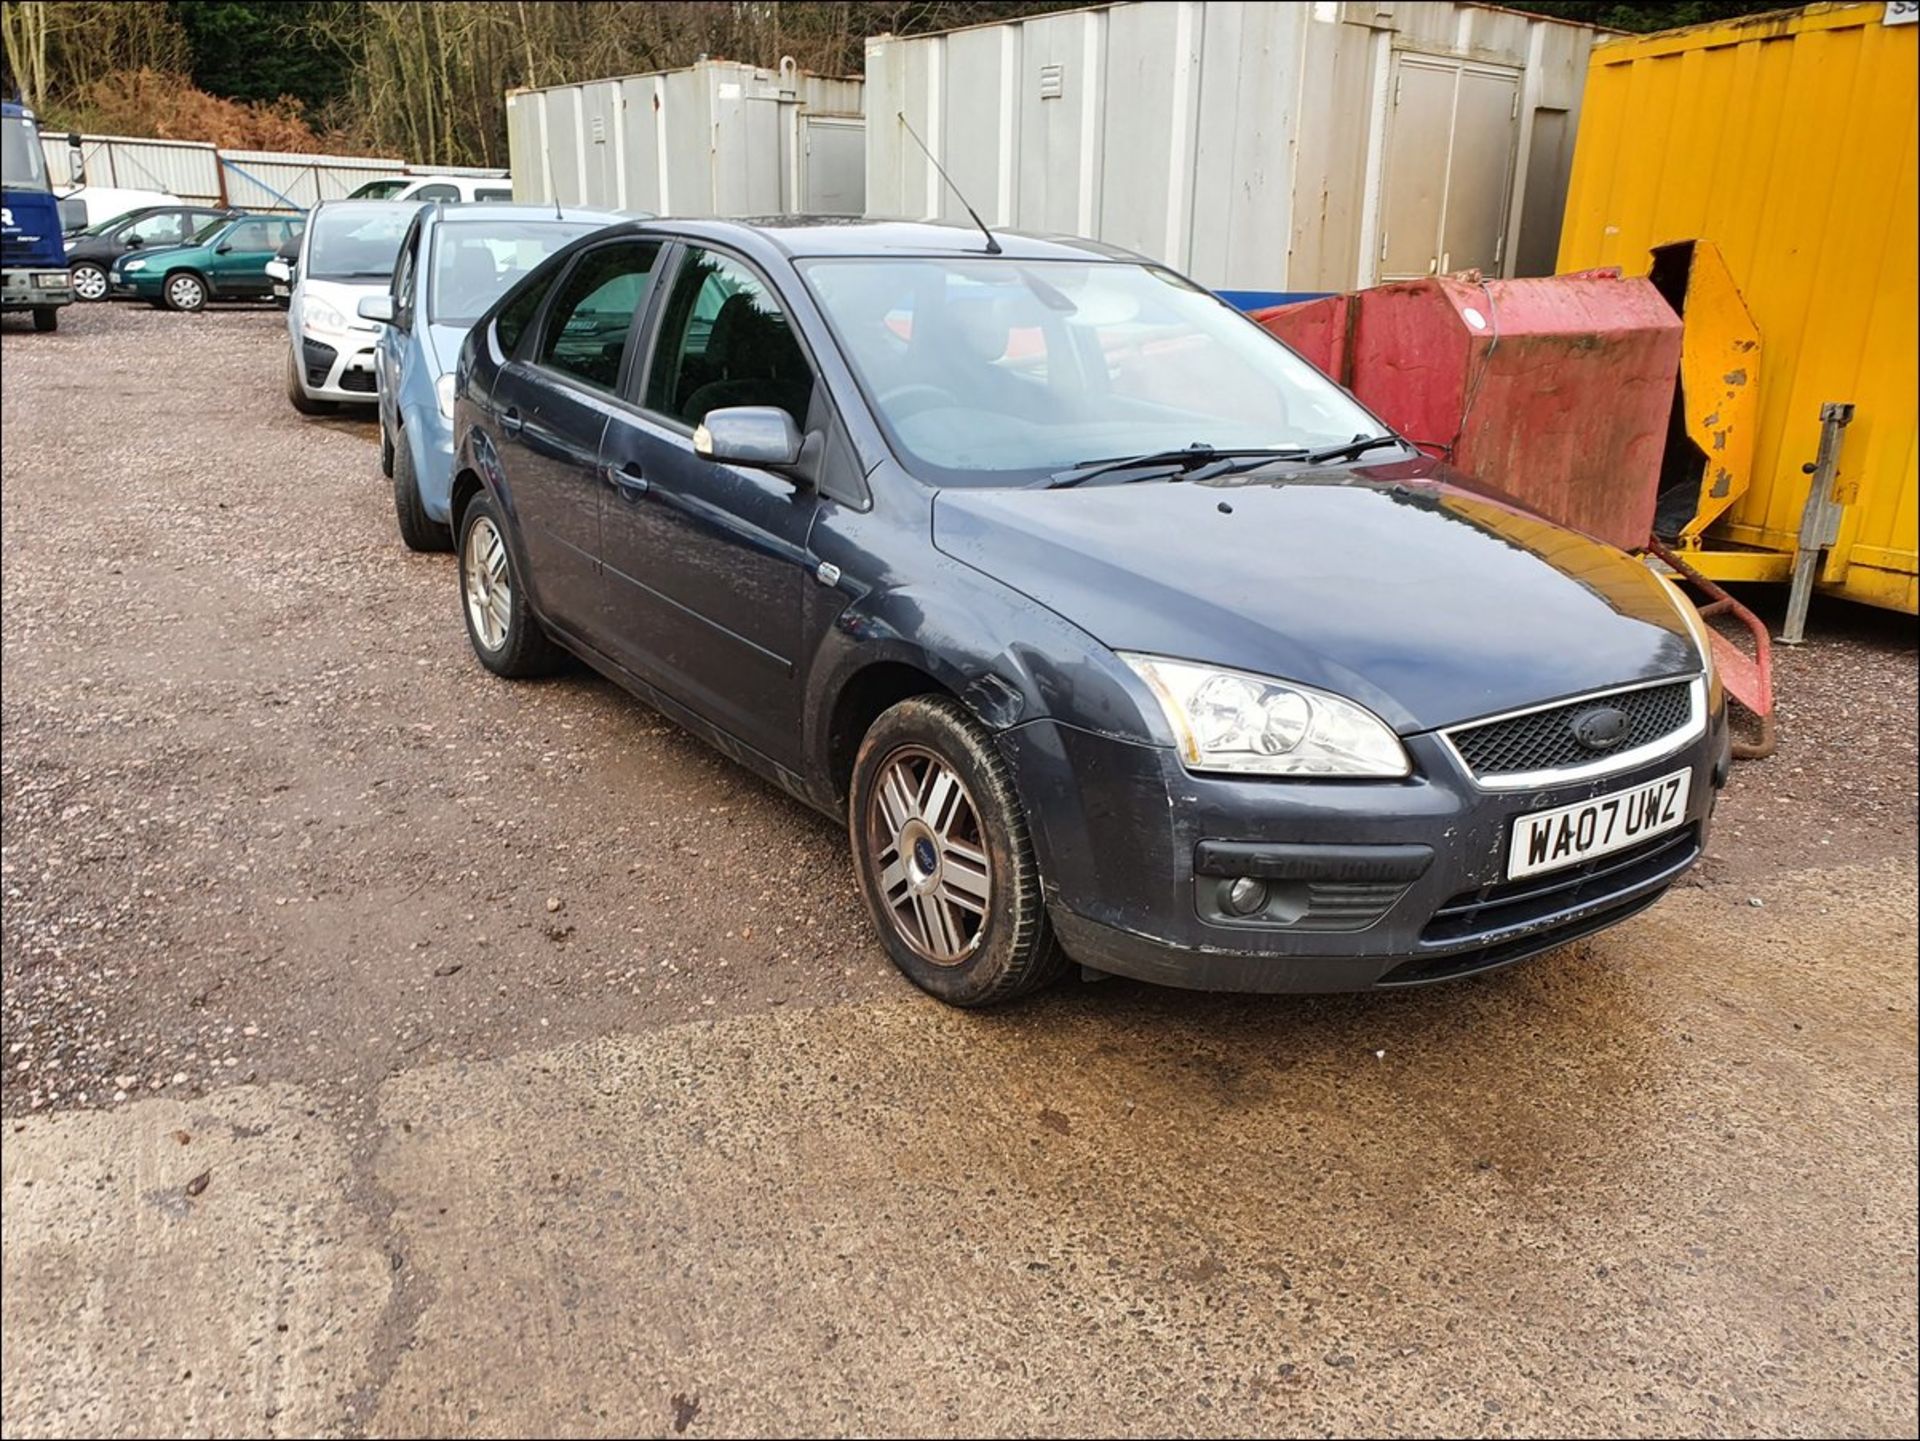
(1246, 895)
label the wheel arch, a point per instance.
(861, 699)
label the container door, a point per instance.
(1480, 171)
(834, 160)
(1418, 131)
(1449, 168)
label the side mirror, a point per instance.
(76, 160)
(757, 435)
(223, 248)
(134, 242)
(376, 307)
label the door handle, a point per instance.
(511, 423)
(627, 479)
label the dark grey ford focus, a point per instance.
(1115, 632)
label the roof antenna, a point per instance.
(993, 246)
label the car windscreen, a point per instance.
(22, 166)
(476, 262)
(356, 244)
(208, 229)
(380, 189)
(999, 371)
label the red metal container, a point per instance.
(1555, 391)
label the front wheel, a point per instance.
(89, 281)
(297, 395)
(944, 859)
(45, 317)
(185, 291)
(419, 530)
(506, 636)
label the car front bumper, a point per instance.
(340, 367)
(32, 289)
(1381, 884)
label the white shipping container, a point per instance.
(716, 138)
(1259, 147)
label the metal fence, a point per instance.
(208, 175)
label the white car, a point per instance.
(84, 206)
(436, 187)
(347, 254)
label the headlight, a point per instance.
(316, 314)
(1240, 724)
(443, 388)
(1697, 624)
(68, 245)
(129, 266)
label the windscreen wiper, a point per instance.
(1159, 462)
(1359, 445)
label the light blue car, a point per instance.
(455, 261)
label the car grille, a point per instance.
(318, 357)
(1495, 908)
(1543, 740)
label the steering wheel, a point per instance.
(905, 400)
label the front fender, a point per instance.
(1008, 660)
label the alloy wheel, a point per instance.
(929, 855)
(488, 583)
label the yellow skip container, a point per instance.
(1787, 143)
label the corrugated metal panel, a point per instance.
(1249, 144)
(180, 167)
(270, 180)
(716, 138)
(1789, 141)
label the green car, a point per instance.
(227, 262)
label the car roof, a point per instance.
(459, 212)
(802, 236)
(368, 207)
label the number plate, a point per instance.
(1568, 835)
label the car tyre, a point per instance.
(944, 857)
(184, 290)
(89, 281)
(297, 393)
(45, 317)
(506, 635)
(386, 451)
(418, 529)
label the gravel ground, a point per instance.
(275, 845)
(259, 798)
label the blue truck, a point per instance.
(33, 261)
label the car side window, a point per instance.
(511, 323)
(436, 192)
(155, 229)
(592, 315)
(253, 235)
(493, 195)
(724, 341)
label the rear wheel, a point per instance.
(89, 281)
(297, 394)
(505, 635)
(418, 529)
(944, 859)
(45, 317)
(185, 291)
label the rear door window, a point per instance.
(592, 314)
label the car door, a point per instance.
(394, 347)
(705, 565)
(238, 266)
(551, 406)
